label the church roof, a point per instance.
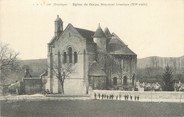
(85, 33)
(117, 46)
(116, 41)
(99, 32)
(107, 32)
(95, 70)
(124, 50)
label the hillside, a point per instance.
(175, 62)
(151, 69)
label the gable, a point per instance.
(82, 33)
(70, 31)
(70, 37)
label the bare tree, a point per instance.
(61, 71)
(8, 61)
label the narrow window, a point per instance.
(64, 57)
(125, 80)
(114, 81)
(70, 54)
(133, 78)
(75, 57)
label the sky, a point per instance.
(148, 27)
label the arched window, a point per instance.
(114, 81)
(70, 54)
(75, 57)
(64, 57)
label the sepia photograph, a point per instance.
(96, 58)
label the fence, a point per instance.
(150, 96)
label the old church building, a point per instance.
(83, 59)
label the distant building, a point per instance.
(101, 59)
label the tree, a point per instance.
(168, 81)
(8, 62)
(61, 71)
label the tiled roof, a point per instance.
(115, 40)
(117, 46)
(95, 70)
(85, 33)
(99, 32)
(123, 50)
(107, 32)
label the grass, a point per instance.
(90, 108)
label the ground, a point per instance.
(90, 108)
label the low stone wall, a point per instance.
(32, 85)
(151, 96)
(38, 97)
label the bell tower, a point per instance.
(58, 26)
(100, 39)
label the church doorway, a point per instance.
(125, 80)
(115, 81)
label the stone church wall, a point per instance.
(76, 82)
(120, 68)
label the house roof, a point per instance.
(99, 32)
(95, 70)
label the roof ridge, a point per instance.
(83, 29)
